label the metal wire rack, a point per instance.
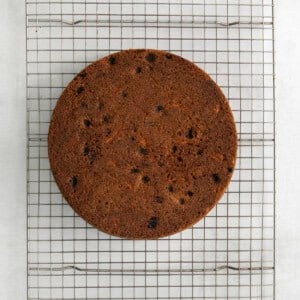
(227, 255)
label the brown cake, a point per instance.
(142, 144)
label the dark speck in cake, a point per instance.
(158, 199)
(200, 152)
(134, 170)
(216, 178)
(170, 188)
(86, 150)
(82, 74)
(151, 57)
(108, 132)
(124, 94)
(230, 170)
(144, 151)
(112, 60)
(152, 222)
(159, 108)
(107, 119)
(174, 149)
(73, 181)
(190, 193)
(169, 56)
(145, 179)
(190, 134)
(87, 123)
(80, 90)
(138, 70)
(181, 201)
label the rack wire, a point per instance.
(227, 255)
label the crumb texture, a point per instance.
(142, 144)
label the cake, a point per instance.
(142, 144)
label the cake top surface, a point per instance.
(142, 144)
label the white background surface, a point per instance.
(287, 64)
(13, 149)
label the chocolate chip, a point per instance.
(80, 90)
(87, 123)
(145, 179)
(181, 201)
(159, 108)
(151, 57)
(174, 149)
(83, 105)
(230, 170)
(200, 152)
(132, 138)
(190, 193)
(112, 60)
(216, 178)
(73, 181)
(168, 56)
(134, 170)
(158, 199)
(138, 70)
(107, 119)
(179, 158)
(152, 222)
(170, 188)
(144, 151)
(108, 132)
(82, 74)
(190, 133)
(86, 150)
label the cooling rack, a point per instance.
(227, 255)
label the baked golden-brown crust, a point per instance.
(142, 144)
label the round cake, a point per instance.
(142, 144)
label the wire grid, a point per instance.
(227, 255)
